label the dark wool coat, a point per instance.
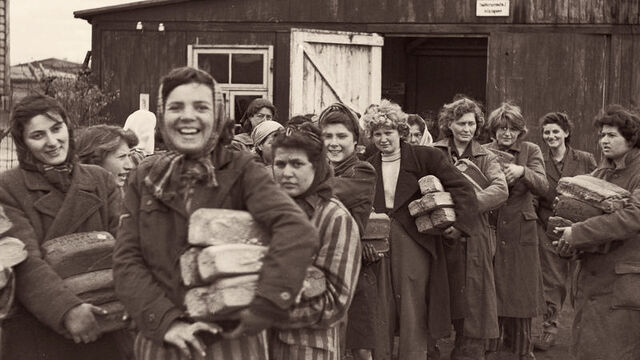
(416, 162)
(517, 261)
(40, 212)
(471, 276)
(576, 162)
(153, 235)
(607, 320)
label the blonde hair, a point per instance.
(389, 115)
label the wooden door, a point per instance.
(334, 66)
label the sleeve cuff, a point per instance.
(265, 308)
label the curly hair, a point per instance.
(455, 110)
(386, 115)
(559, 118)
(95, 143)
(627, 121)
(507, 115)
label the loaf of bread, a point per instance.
(378, 227)
(229, 260)
(5, 223)
(225, 296)
(12, 252)
(429, 184)
(209, 227)
(91, 281)
(424, 225)
(113, 320)
(189, 267)
(597, 192)
(79, 253)
(443, 218)
(430, 202)
(573, 209)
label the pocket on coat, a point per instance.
(626, 287)
(528, 229)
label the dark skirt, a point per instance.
(362, 324)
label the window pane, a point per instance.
(215, 64)
(241, 104)
(246, 68)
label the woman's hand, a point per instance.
(563, 246)
(369, 253)
(513, 172)
(81, 323)
(182, 334)
(451, 233)
(250, 324)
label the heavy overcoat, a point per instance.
(416, 162)
(608, 298)
(517, 261)
(473, 288)
(153, 235)
(40, 212)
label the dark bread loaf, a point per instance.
(573, 209)
(597, 192)
(79, 253)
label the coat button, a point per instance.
(149, 202)
(151, 317)
(285, 296)
(503, 242)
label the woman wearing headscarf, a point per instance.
(200, 172)
(301, 169)
(354, 184)
(50, 195)
(470, 263)
(419, 271)
(517, 262)
(262, 136)
(418, 132)
(143, 124)
(259, 110)
(560, 160)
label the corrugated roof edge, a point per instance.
(90, 13)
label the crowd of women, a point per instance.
(312, 183)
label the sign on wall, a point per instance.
(492, 8)
(144, 101)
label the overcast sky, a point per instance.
(40, 29)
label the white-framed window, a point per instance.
(243, 72)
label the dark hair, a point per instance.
(507, 115)
(339, 114)
(560, 119)
(627, 121)
(253, 108)
(184, 75)
(415, 119)
(306, 137)
(95, 143)
(299, 119)
(455, 110)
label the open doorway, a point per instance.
(423, 73)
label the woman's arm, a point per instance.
(494, 195)
(135, 285)
(339, 259)
(534, 175)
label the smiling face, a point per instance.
(47, 138)
(262, 115)
(292, 170)
(415, 135)
(119, 162)
(386, 139)
(339, 141)
(612, 143)
(464, 128)
(188, 117)
(553, 135)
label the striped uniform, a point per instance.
(311, 332)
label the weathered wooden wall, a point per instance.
(4, 53)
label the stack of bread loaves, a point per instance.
(434, 211)
(222, 266)
(582, 197)
(84, 262)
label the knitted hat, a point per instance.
(264, 129)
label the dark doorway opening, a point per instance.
(424, 73)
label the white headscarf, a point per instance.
(143, 124)
(426, 139)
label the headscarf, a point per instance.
(59, 176)
(263, 130)
(426, 139)
(143, 124)
(187, 169)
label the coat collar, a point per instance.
(516, 147)
(476, 148)
(407, 178)
(631, 157)
(570, 163)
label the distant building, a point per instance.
(26, 76)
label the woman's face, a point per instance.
(464, 128)
(118, 162)
(339, 141)
(292, 170)
(415, 135)
(553, 135)
(612, 143)
(507, 136)
(188, 117)
(265, 147)
(47, 138)
(387, 140)
(262, 115)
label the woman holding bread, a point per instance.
(470, 263)
(419, 280)
(300, 167)
(200, 172)
(607, 318)
(517, 262)
(48, 196)
(560, 160)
